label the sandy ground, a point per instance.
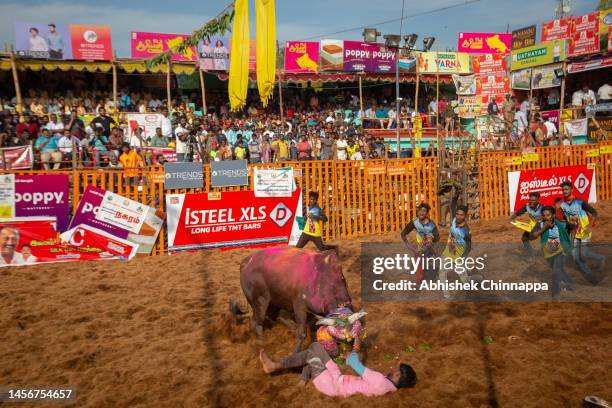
(155, 332)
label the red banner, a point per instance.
(29, 241)
(16, 157)
(489, 64)
(547, 182)
(91, 42)
(587, 22)
(492, 85)
(556, 29)
(228, 220)
(585, 35)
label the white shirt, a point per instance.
(341, 143)
(181, 147)
(64, 144)
(521, 120)
(329, 119)
(589, 97)
(433, 107)
(38, 44)
(55, 128)
(551, 129)
(577, 98)
(525, 106)
(17, 260)
(166, 126)
(391, 114)
(135, 142)
(605, 92)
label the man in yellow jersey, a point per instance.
(314, 225)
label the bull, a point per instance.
(292, 279)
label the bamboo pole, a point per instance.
(16, 83)
(280, 99)
(361, 97)
(113, 62)
(562, 99)
(203, 89)
(169, 93)
(416, 109)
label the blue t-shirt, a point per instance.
(49, 147)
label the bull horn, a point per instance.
(326, 322)
(356, 316)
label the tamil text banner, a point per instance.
(470, 106)
(146, 45)
(273, 182)
(489, 64)
(524, 37)
(89, 207)
(548, 181)
(559, 29)
(228, 220)
(484, 43)
(301, 56)
(492, 85)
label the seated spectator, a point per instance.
(46, 144)
(99, 145)
(68, 145)
(158, 140)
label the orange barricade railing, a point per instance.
(360, 197)
(493, 168)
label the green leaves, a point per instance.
(217, 26)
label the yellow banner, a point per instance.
(514, 161)
(530, 157)
(592, 152)
(443, 63)
(605, 149)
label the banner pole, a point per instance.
(416, 107)
(203, 89)
(280, 99)
(360, 97)
(562, 96)
(169, 95)
(113, 62)
(16, 83)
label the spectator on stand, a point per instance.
(104, 122)
(68, 145)
(303, 149)
(46, 144)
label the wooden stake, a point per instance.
(16, 83)
(203, 89)
(169, 94)
(114, 65)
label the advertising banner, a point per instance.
(89, 207)
(168, 153)
(470, 106)
(521, 79)
(489, 64)
(148, 122)
(146, 45)
(229, 173)
(228, 220)
(465, 84)
(544, 77)
(553, 115)
(36, 243)
(560, 29)
(547, 182)
(408, 65)
(332, 55)
(91, 42)
(587, 22)
(7, 196)
(595, 63)
(537, 55)
(121, 212)
(366, 57)
(21, 157)
(301, 56)
(524, 37)
(484, 43)
(42, 40)
(183, 175)
(492, 85)
(576, 127)
(583, 42)
(273, 182)
(605, 125)
(214, 53)
(443, 63)
(43, 195)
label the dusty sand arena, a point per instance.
(153, 333)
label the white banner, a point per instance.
(7, 196)
(273, 182)
(122, 212)
(146, 121)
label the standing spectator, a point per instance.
(604, 93)
(225, 152)
(46, 144)
(254, 148)
(551, 130)
(340, 148)
(99, 144)
(130, 159)
(266, 150)
(240, 151)
(182, 137)
(166, 124)
(327, 148)
(104, 122)
(75, 125)
(303, 149)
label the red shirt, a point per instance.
(31, 127)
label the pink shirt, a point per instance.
(333, 383)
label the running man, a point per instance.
(534, 210)
(458, 245)
(556, 244)
(313, 230)
(577, 214)
(329, 380)
(426, 235)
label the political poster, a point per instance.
(469, 106)
(367, 57)
(146, 45)
(583, 42)
(545, 77)
(301, 57)
(214, 54)
(559, 29)
(147, 122)
(273, 182)
(492, 85)
(521, 79)
(21, 157)
(145, 237)
(542, 54)
(229, 220)
(35, 242)
(484, 43)
(524, 37)
(332, 55)
(443, 63)
(42, 40)
(121, 212)
(489, 64)
(465, 84)
(91, 42)
(548, 181)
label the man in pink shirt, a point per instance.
(329, 380)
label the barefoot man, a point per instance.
(327, 378)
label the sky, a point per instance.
(296, 19)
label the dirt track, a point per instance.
(154, 333)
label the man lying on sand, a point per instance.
(328, 379)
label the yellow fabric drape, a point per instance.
(239, 63)
(266, 48)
